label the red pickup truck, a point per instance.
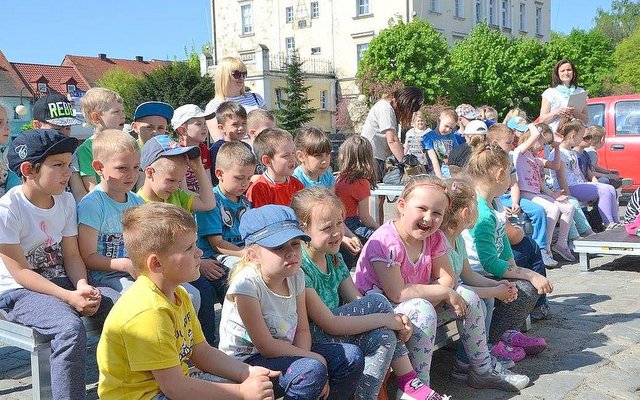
(620, 117)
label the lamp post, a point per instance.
(20, 108)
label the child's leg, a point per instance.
(551, 210)
(206, 313)
(538, 220)
(378, 345)
(300, 377)
(345, 364)
(357, 227)
(581, 222)
(420, 345)
(512, 315)
(607, 203)
(527, 255)
(566, 218)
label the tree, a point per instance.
(123, 83)
(412, 54)
(627, 62)
(621, 22)
(295, 110)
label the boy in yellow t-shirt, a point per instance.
(153, 330)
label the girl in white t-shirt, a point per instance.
(413, 141)
(264, 319)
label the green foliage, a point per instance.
(414, 54)
(123, 83)
(627, 62)
(621, 22)
(295, 110)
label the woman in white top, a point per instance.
(230, 86)
(564, 83)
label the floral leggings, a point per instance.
(379, 346)
(426, 319)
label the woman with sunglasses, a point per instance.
(564, 83)
(230, 86)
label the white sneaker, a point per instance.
(498, 378)
(547, 260)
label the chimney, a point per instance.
(102, 56)
(139, 59)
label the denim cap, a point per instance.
(162, 146)
(35, 145)
(270, 226)
(150, 108)
(518, 123)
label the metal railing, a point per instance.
(310, 65)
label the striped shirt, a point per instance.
(250, 101)
(633, 207)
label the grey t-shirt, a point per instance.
(279, 312)
(381, 117)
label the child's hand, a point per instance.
(325, 391)
(211, 269)
(195, 163)
(405, 333)
(459, 304)
(541, 283)
(505, 293)
(353, 244)
(258, 386)
(85, 300)
(560, 195)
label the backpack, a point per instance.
(399, 173)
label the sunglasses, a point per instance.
(588, 137)
(239, 74)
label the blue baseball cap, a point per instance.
(150, 108)
(36, 145)
(162, 146)
(270, 226)
(518, 123)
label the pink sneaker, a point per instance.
(502, 350)
(530, 344)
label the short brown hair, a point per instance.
(96, 99)
(313, 141)
(268, 141)
(305, 200)
(596, 132)
(230, 109)
(232, 154)
(256, 117)
(113, 141)
(497, 131)
(151, 229)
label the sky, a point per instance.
(44, 31)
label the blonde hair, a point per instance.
(484, 159)
(514, 112)
(96, 99)
(242, 264)
(545, 132)
(223, 75)
(152, 229)
(487, 112)
(304, 202)
(165, 163)
(268, 141)
(568, 125)
(463, 195)
(313, 141)
(111, 142)
(355, 158)
(497, 131)
(416, 115)
(232, 154)
(596, 132)
(258, 116)
(448, 112)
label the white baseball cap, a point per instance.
(476, 127)
(184, 113)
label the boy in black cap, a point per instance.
(43, 281)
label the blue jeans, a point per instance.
(536, 214)
(356, 226)
(211, 292)
(304, 377)
(527, 255)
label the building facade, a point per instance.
(336, 34)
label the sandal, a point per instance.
(530, 344)
(502, 350)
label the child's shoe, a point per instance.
(563, 252)
(530, 344)
(541, 312)
(547, 260)
(498, 378)
(502, 350)
(460, 369)
(410, 387)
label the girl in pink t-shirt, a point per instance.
(406, 260)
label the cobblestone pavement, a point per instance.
(593, 343)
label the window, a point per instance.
(324, 95)
(362, 7)
(479, 11)
(290, 45)
(42, 87)
(315, 50)
(288, 15)
(627, 118)
(315, 9)
(279, 97)
(433, 6)
(459, 8)
(492, 12)
(71, 88)
(596, 114)
(247, 19)
(538, 20)
(523, 19)
(506, 14)
(360, 49)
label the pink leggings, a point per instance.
(605, 194)
(555, 210)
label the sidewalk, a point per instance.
(592, 354)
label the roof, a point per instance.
(10, 82)
(56, 76)
(92, 68)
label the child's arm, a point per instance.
(223, 247)
(205, 201)
(89, 182)
(365, 215)
(87, 243)
(77, 186)
(556, 163)
(442, 272)
(535, 134)
(351, 241)
(540, 282)
(431, 153)
(515, 198)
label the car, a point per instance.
(620, 117)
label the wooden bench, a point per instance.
(616, 241)
(39, 346)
